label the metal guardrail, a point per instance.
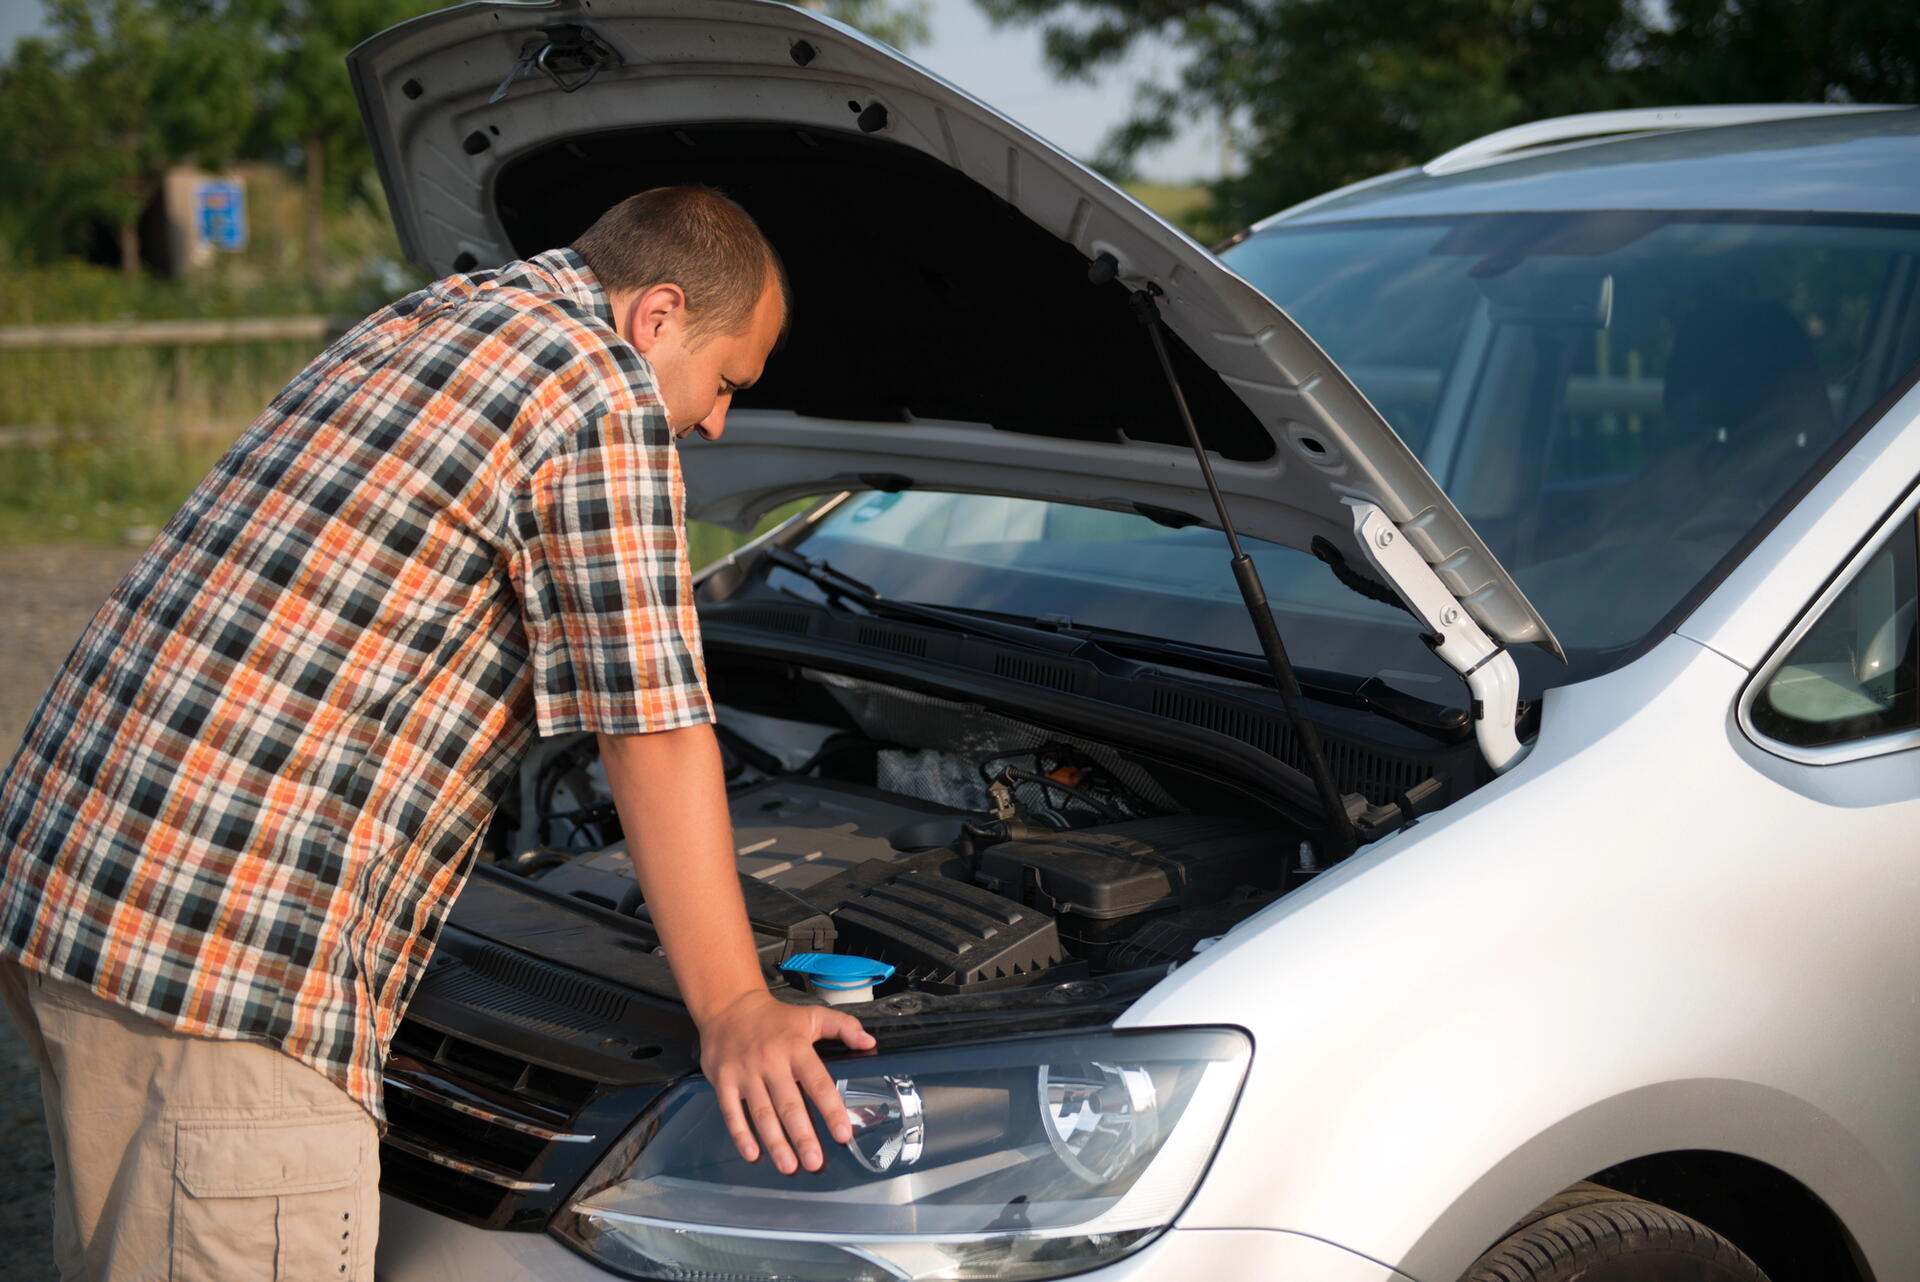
(170, 333)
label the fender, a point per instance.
(1573, 967)
(1698, 1113)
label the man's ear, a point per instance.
(655, 313)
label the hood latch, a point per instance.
(570, 54)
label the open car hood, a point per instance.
(946, 334)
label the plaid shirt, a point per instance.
(249, 798)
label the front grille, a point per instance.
(468, 1125)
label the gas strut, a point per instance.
(1147, 309)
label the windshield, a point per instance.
(1612, 399)
(1112, 570)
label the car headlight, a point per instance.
(1015, 1160)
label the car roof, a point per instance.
(1857, 163)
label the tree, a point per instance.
(1788, 51)
(899, 24)
(1323, 92)
(307, 101)
(93, 112)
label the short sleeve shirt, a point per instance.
(246, 804)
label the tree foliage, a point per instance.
(305, 99)
(1789, 50)
(900, 23)
(306, 102)
(1317, 93)
(96, 108)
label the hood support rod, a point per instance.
(1339, 821)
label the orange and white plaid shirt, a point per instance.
(248, 800)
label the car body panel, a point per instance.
(1852, 163)
(442, 146)
(1661, 917)
(1764, 594)
(1598, 126)
(417, 1243)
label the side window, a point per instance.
(1852, 675)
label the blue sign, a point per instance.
(222, 207)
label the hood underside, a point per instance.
(945, 331)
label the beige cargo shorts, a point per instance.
(192, 1160)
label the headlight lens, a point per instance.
(1098, 1116)
(1011, 1161)
(889, 1120)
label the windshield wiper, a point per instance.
(841, 586)
(1058, 635)
(1443, 722)
(1061, 635)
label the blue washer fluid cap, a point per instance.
(838, 970)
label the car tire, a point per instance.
(1594, 1234)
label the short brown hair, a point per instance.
(693, 237)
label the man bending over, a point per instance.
(240, 814)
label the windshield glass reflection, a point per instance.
(1612, 399)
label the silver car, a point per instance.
(1387, 754)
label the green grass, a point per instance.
(1184, 205)
(122, 489)
(707, 542)
(191, 391)
(101, 445)
(98, 491)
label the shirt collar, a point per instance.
(569, 274)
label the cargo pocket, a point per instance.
(269, 1199)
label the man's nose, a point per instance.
(714, 423)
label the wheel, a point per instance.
(1594, 1234)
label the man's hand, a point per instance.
(756, 1050)
(758, 1053)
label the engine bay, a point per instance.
(969, 850)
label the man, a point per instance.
(241, 812)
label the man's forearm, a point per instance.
(758, 1053)
(671, 794)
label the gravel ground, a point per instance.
(47, 594)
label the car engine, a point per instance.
(970, 851)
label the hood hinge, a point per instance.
(1462, 644)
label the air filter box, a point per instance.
(947, 936)
(1121, 870)
(783, 924)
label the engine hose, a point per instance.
(1080, 794)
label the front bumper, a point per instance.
(418, 1246)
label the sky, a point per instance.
(1002, 66)
(17, 18)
